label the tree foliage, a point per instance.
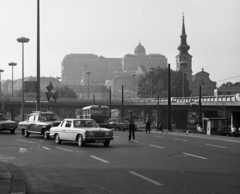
(159, 79)
(65, 92)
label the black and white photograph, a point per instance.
(120, 97)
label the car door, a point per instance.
(59, 129)
(67, 131)
(31, 123)
(77, 128)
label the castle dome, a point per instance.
(139, 50)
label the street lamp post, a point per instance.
(23, 40)
(1, 82)
(88, 73)
(12, 64)
(133, 75)
(151, 71)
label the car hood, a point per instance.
(97, 129)
(53, 122)
(8, 122)
(85, 129)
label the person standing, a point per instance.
(131, 120)
(148, 123)
(233, 131)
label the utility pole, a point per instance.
(200, 106)
(110, 104)
(122, 102)
(169, 99)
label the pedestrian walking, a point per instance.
(188, 129)
(148, 123)
(199, 128)
(131, 120)
(233, 131)
(160, 125)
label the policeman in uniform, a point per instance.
(131, 121)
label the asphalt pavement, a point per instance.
(12, 180)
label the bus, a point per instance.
(99, 113)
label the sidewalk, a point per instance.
(195, 134)
(11, 179)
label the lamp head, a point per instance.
(23, 40)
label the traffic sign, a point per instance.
(49, 87)
(30, 86)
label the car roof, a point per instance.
(40, 112)
(73, 119)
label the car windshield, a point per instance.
(49, 117)
(112, 120)
(3, 117)
(85, 124)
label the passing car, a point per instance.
(113, 123)
(6, 124)
(39, 123)
(81, 131)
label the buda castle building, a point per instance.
(78, 69)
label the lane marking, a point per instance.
(64, 149)
(156, 146)
(195, 156)
(100, 159)
(4, 157)
(117, 136)
(180, 139)
(135, 141)
(215, 146)
(26, 141)
(145, 178)
(45, 148)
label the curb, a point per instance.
(17, 182)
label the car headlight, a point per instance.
(109, 134)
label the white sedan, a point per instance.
(82, 131)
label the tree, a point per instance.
(65, 92)
(160, 83)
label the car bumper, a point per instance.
(98, 140)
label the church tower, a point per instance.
(184, 59)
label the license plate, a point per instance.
(99, 141)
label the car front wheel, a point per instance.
(57, 139)
(45, 134)
(80, 141)
(106, 143)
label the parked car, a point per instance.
(124, 125)
(39, 123)
(81, 131)
(6, 124)
(113, 123)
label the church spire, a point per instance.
(183, 27)
(183, 48)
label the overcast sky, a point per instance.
(113, 28)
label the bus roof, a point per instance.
(94, 106)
